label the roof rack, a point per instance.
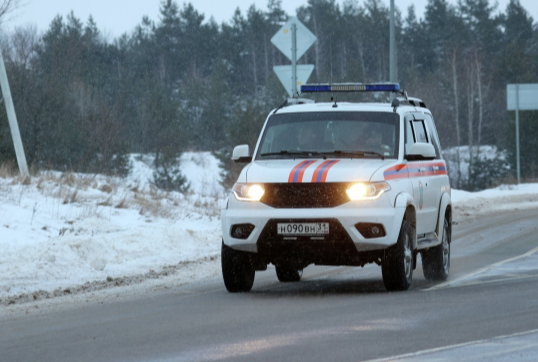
(291, 101)
(415, 102)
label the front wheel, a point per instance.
(436, 260)
(397, 266)
(237, 270)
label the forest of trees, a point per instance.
(183, 82)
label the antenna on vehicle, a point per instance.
(281, 106)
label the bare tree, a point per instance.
(7, 7)
(23, 43)
(453, 63)
(471, 95)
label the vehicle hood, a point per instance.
(315, 170)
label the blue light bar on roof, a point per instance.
(350, 87)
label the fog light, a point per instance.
(237, 233)
(241, 231)
(370, 230)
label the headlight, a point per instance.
(367, 190)
(248, 192)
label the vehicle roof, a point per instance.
(347, 107)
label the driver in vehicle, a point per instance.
(373, 141)
(308, 139)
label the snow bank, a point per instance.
(504, 197)
(64, 230)
(456, 169)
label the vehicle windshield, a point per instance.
(330, 134)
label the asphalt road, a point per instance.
(341, 314)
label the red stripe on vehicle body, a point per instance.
(318, 169)
(324, 170)
(296, 174)
(411, 170)
(396, 172)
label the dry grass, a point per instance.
(91, 195)
(122, 204)
(8, 170)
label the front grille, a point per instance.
(305, 195)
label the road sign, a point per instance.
(521, 97)
(527, 94)
(284, 74)
(283, 38)
(293, 39)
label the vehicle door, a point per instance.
(438, 178)
(420, 174)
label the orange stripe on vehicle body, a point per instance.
(296, 174)
(395, 172)
(411, 170)
(320, 174)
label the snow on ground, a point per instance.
(73, 233)
(502, 198)
(455, 156)
(67, 233)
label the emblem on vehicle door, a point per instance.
(421, 195)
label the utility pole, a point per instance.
(12, 118)
(517, 136)
(393, 70)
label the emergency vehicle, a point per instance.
(340, 183)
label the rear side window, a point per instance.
(420, 131)
(434, 138)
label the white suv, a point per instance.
(340, 184)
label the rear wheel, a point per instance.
(397, 266)
(287, 273)
(436, 260)
(237, 270)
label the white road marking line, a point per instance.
(479, 271)
(489, 281)
(454, 346)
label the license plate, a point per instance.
(303, 228)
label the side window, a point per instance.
(409, 134)
(420, 131)
(433, 135)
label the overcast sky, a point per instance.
(115, 17)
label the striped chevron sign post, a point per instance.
(293, 39)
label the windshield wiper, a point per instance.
(355, 153)
(293, 153)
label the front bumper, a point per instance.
(380, 211)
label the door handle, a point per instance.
(422, 169)
(435, 168)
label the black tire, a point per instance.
(286, 273)
(436, 260)
(237, 270)
(397, 266)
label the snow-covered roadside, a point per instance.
(65, 234)
(502, 198)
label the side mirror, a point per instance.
(421, 151)
(241, 154)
